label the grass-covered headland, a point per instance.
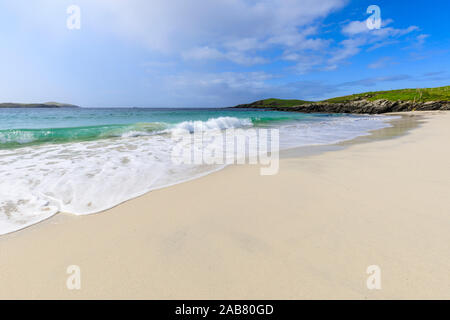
(414, 95)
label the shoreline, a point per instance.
(398, 126)
(236, 234)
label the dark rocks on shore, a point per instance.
(358, 106)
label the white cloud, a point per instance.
(380, 63)
(234, 30)
(304, 63)
(179, 34)
(179, 24)
(420, 40)
(355, 27)
(207, 53)
(359, 35)
(203, 53)
(215, 89)
(370, 82)
(247, 81)
(347, 48)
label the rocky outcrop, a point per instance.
(360, 106)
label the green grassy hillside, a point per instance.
(283, 103)
(413, 95)
(417, 95)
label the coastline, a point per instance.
(236, 234)
(35, 188)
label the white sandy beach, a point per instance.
(308, 232)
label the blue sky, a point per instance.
(214, 53)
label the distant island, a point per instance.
(369, 102)
(37, 105)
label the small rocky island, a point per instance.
(368, 103)
(37, 105)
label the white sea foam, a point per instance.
(15, 136)
(220, 123)
(330, 131)
(88, 177)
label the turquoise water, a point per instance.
(20, 127)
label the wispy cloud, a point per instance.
(360, 36)
(380, 63)
(207, 53)
(370, 82)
